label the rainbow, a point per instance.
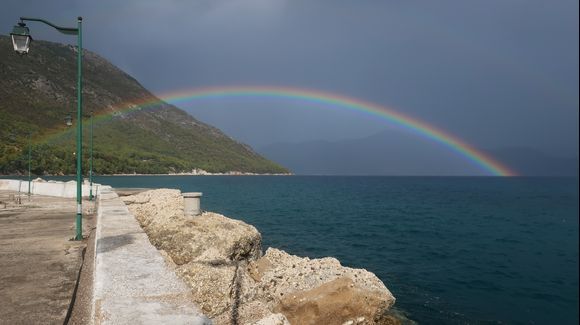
(423, 129)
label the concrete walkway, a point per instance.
(39, 264)
(132, 282)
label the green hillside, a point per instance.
(38, 90)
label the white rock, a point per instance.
(273, 319)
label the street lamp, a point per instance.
(29, 156)
(21, 38)
(21, 41)
(68, 120)
(91, 162)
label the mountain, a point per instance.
(399, 153)
(532, 162)
(39, 89)
(390, 152)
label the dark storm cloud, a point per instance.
(497, 73)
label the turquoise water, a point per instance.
(452, 250)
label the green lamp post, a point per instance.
(68, 122)
(21, 41)
(91, 161)
(29, 159)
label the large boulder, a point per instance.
(339, 301)
(209, 238)
(156, 209)
(211, 285)
(319, 291)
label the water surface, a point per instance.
(453, 250)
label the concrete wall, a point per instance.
(50, 188)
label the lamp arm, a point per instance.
(64, 30)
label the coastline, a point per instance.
(234, 281)
(231, 173)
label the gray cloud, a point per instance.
(496, 73)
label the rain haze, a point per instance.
(497, 74)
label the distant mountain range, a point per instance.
(399, 153)
(37, 91)
(528, 161)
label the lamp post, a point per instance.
(21, 42)
(91, 162)
(68, 121)
(29, 156)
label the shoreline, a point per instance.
(173, 174)
(206, 174)
(234, 280)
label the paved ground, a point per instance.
(39, 264)
(81, 310)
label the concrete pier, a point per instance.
(39, 264)
(132, 283)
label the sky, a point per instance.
(495, 73)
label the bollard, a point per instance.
(192, 206)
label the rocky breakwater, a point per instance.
(233, 283)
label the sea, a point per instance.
(452, 250)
